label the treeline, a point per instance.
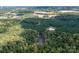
(63, 23)
(55, 42)
(64, 39)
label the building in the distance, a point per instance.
(68, 11)
(44, 14)
(11, 16)
(51, 28)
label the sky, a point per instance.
(39, 2)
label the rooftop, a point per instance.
(51, 28)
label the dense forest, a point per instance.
(30, 35)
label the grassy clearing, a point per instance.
(13, 31)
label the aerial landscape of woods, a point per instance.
(32, 34)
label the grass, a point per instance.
(12, 33)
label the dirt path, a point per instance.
(41, 38)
